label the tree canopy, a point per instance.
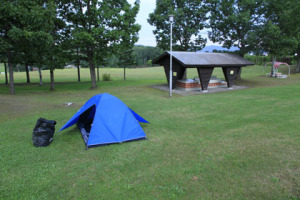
(232, 21)
(100, 27)
(277, 34)
(42, 32)
(25, 28)
(189, 20)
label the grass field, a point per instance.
(2, 67)
(242, 144)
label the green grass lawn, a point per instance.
(242, 144)
(2, 67)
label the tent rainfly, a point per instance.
(105, 119)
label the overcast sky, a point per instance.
(146, 36)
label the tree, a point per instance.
(7, 12)
(189, 20)
(56, 59)
(279, 32)
(232, 21)
(143, 54)
(57, 54)
(24, 23)
(126, 59)
(293, 15)
(99, 27)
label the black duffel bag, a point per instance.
(43, 132)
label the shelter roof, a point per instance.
(196, 59)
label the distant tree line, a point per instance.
(138, 56)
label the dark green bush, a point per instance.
(106, 77)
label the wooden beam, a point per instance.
(230, 73)
(178, 71)
(204, 76)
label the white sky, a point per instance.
(146, 36)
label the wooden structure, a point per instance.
(205, 64)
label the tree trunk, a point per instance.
(78, 73)
(11, 79)
(78, 66)
(11, 74)
(41, 77)
(6, 78)
(27, 73)
(273, 67)
(124, 73)
(92, 68)
(93, 75)
(298, 66)
(52, 87)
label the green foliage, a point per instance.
(274, 40)
(149, 63)
(26, 29)
(106, 77)
(111, 61)
(100, 28)
(262, 60)
(189, 20)
(145, 53)
(278, 30)
(137, 56)
(233, 21)
(126, 57)
(258, 60)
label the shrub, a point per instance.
(149, 63)
(106, 77)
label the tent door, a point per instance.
(85, 123)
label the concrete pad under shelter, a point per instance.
(165, 87)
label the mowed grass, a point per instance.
(242, 144)
(2, 67)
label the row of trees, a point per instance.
(50, 32)
(137, 56)
(257, 26)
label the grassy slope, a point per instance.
(232, 145)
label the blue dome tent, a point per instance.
(105, 119)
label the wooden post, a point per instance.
(230, 74)
(204, 76)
